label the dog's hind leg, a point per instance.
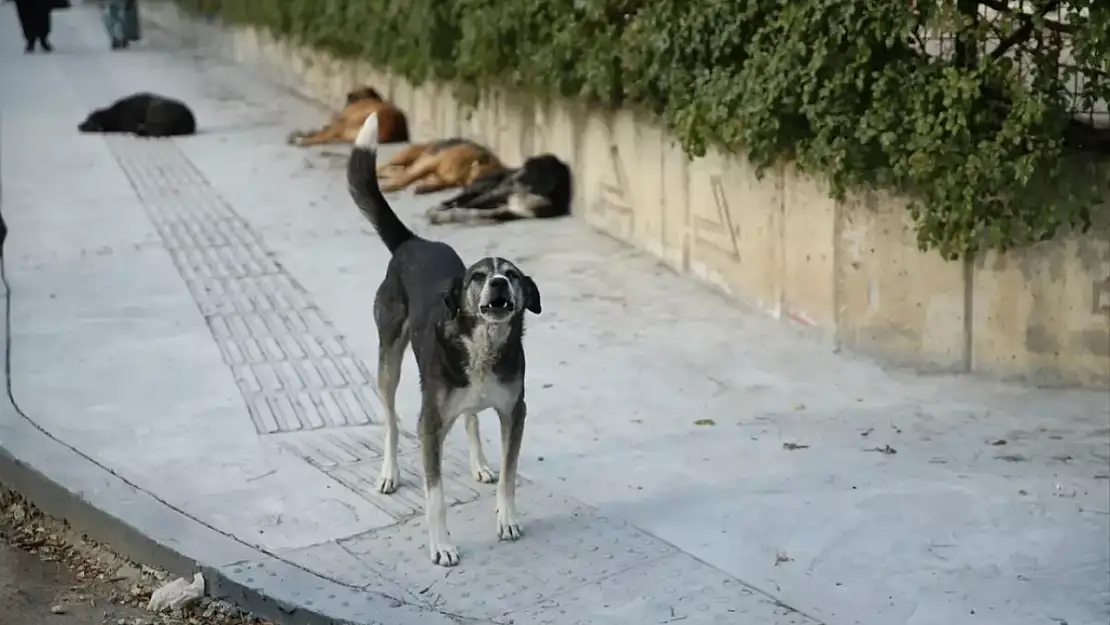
(515, 208)
(512, 433)
(415, 172)
(390, 357)
(433, 429)
(500, 204)
(401, 160)
(479, 466)
(393, 338)
(431, 184)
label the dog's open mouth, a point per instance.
(498, 305)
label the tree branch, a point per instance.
(1021, 35)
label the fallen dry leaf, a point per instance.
(885, 449)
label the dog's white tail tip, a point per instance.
(368, 137)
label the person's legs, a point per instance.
(44, 26)
(25, 9)
(113, 22)
(131, 20)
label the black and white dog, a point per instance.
(144, 114)
(539, 189)
(466, 327)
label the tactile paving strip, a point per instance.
(407, 501)
(353, 458)
(294, 369)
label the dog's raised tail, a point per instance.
(362, 182)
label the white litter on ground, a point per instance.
(177, 594)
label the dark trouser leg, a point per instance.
(26, 11)
(43, 25)
(113, 13)
(131, 20)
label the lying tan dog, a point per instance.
(343, 127)
(437, 165)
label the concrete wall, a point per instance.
(851, 269)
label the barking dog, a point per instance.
(466, 327)
(144, 114)
(538, 189)
(437, 165)
(345, 126)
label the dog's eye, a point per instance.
(478, 276)
(511, 274)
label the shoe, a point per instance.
(45, 45)
(116, 45)
(29, 48)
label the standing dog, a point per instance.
(144, 114)
(438, 165)
(345, 126)
(538, 189)
(466, 327)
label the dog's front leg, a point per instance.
(474, 190)
(460, 215)
(512, 433)
(432, 432)
(328, 134)
(479, 467)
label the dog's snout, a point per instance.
(499, 283)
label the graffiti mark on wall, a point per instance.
(1102, 297)
(612, 194)
(718, 232)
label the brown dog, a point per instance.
(343, 128)
(437, 165)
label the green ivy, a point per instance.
(984, 147)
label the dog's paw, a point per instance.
(508, 528)
(294, 138)
(483, 474)
(436, 215)
(443, 554)
(388, 480)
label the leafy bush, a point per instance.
(982, 137)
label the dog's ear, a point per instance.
(531, 295)
(452, 298)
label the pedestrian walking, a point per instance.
(34, 19)
(121, 20)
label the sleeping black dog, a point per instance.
(144, 114)
(539, 189)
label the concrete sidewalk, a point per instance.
(191, 323)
